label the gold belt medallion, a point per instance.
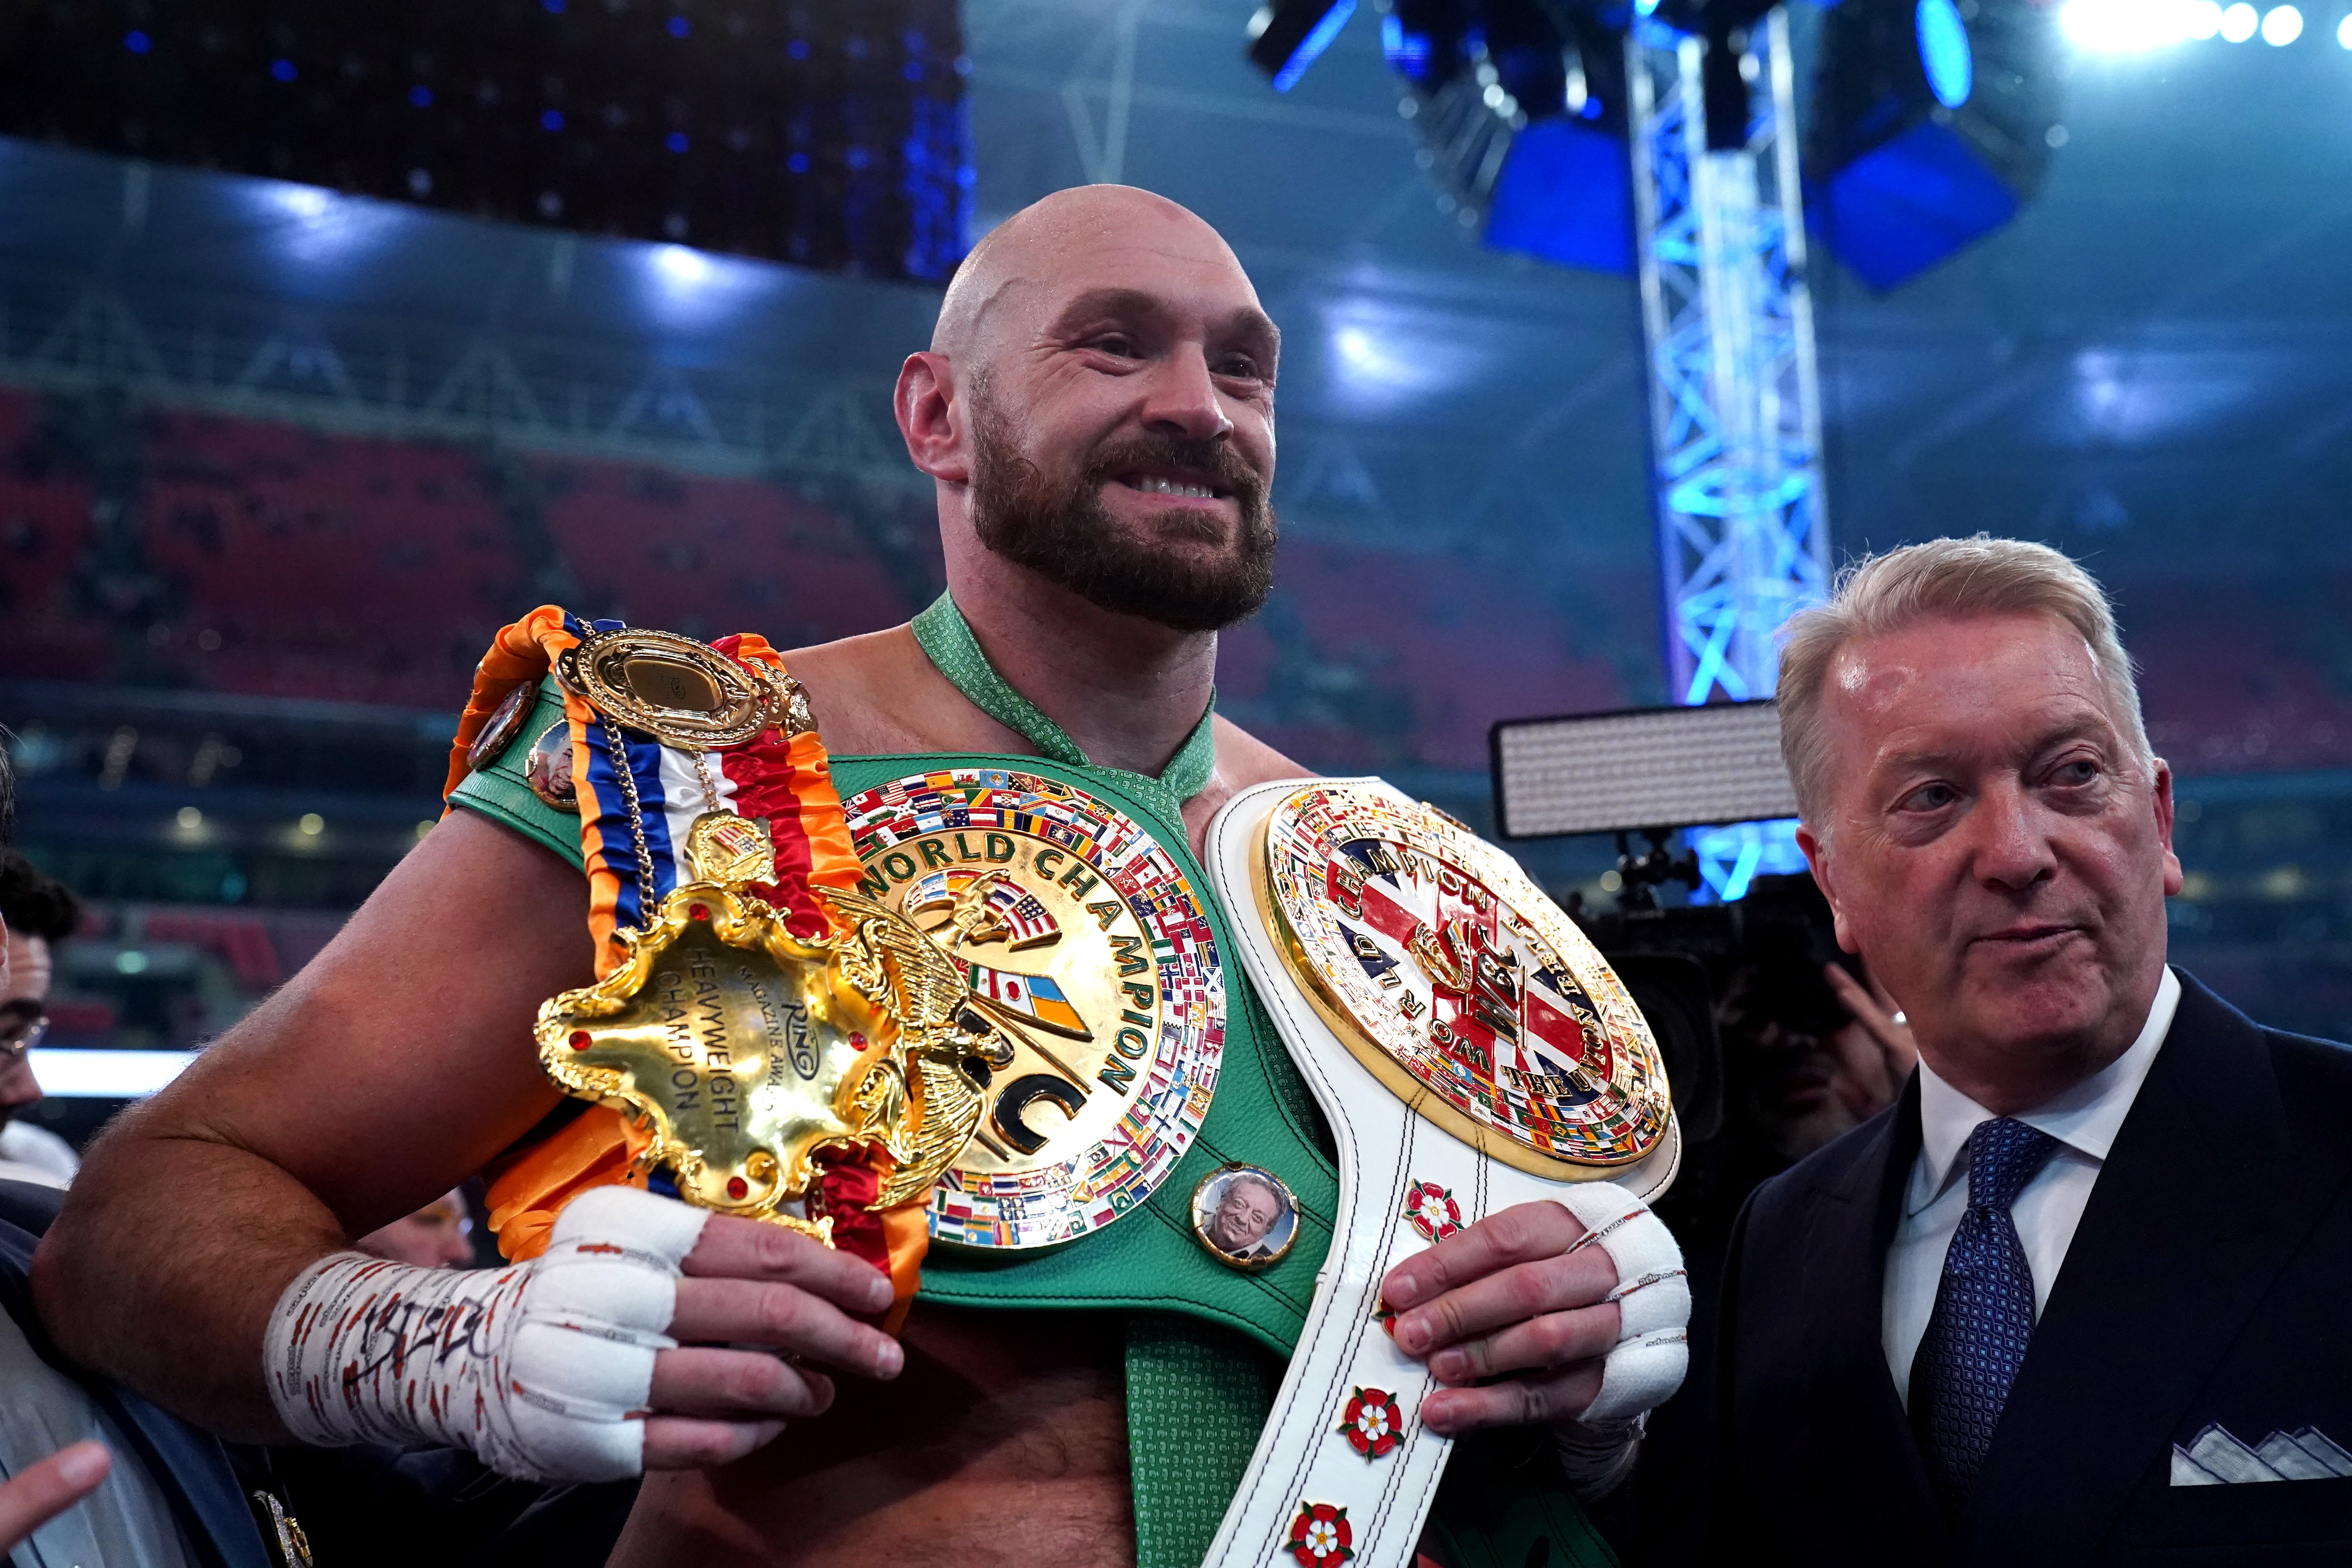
(1078, 939)
(1459, 985)
(747, 1049)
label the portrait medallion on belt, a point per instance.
(1082, 940)
(1459, 985)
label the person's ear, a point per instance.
(2164, 804)
(1817, 856)
(933, 417)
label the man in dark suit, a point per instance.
(2081, 1288)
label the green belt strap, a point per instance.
(1197, 1395)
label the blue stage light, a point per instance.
(1565, 195)
(677, 27)
(282, 69)
(1408, 53)
(1944, 52)
(676, 142)
(421, 96)
(137, 42)
(554, 8)
(551, 119)
(1909, 202)
(798, 163)
(1288, 36)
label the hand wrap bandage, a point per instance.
(1652, 1348)
(543, 1369)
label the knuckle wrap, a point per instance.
(1652, 1297)
(542, 1369)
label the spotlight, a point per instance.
(2343, 32)
(2282, 26)
(2123, 27)
(1520, 107)
(2239, 22)
(681, 265)
(312, 824)
(1929, 131)
(2201, 19)
(1944, 52)
(1286, 37)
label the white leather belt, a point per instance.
(1405, 1180)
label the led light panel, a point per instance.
(1656, 768)
(68, 1074)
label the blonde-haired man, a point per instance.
(2086, 1273)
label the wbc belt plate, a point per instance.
(1460, 986)
(1080, 940)
(1471, 1052)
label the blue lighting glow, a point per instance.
(1565, 195)
(1310, 48)
(421, 96)
(681, 265)
(552, 8)
(137, 42)
(677, 27)
(282, 69)
(1944, 52)
(551, 119)
(1730, 858)
(1408, 53)
(676, 142)
(798, 163)
(797, 49)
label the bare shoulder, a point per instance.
(1244, 759)
(879, 693)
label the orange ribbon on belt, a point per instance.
(785, 779)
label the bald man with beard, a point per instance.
(1096, 411)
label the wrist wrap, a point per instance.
(542, 1369)
(1652, 1297)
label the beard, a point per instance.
(1058, 528)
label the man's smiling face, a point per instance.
(1994, 850)
(1120, 410)
(1244, 1214)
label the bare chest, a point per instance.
(1003, 1442)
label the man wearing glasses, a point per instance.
(39, 910)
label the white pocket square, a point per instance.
(2216, 1458)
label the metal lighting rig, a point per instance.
(1735, 416)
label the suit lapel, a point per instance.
(1854, 1214)
(2173, 1219)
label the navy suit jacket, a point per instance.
(2210, 1280)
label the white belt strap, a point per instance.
(1403, 1183)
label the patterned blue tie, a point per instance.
(1984, 1314)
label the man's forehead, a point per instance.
(1118, 275)
(1926, 685)
(25, 974)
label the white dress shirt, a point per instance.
(127, 1522)
(30, 1153)
(2083, 1120)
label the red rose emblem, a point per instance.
(1432, 1211)
(1371, 1421)
(1319, 1536)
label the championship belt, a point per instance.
(769, 1038)
(1471, 1051)
(1076, 937)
